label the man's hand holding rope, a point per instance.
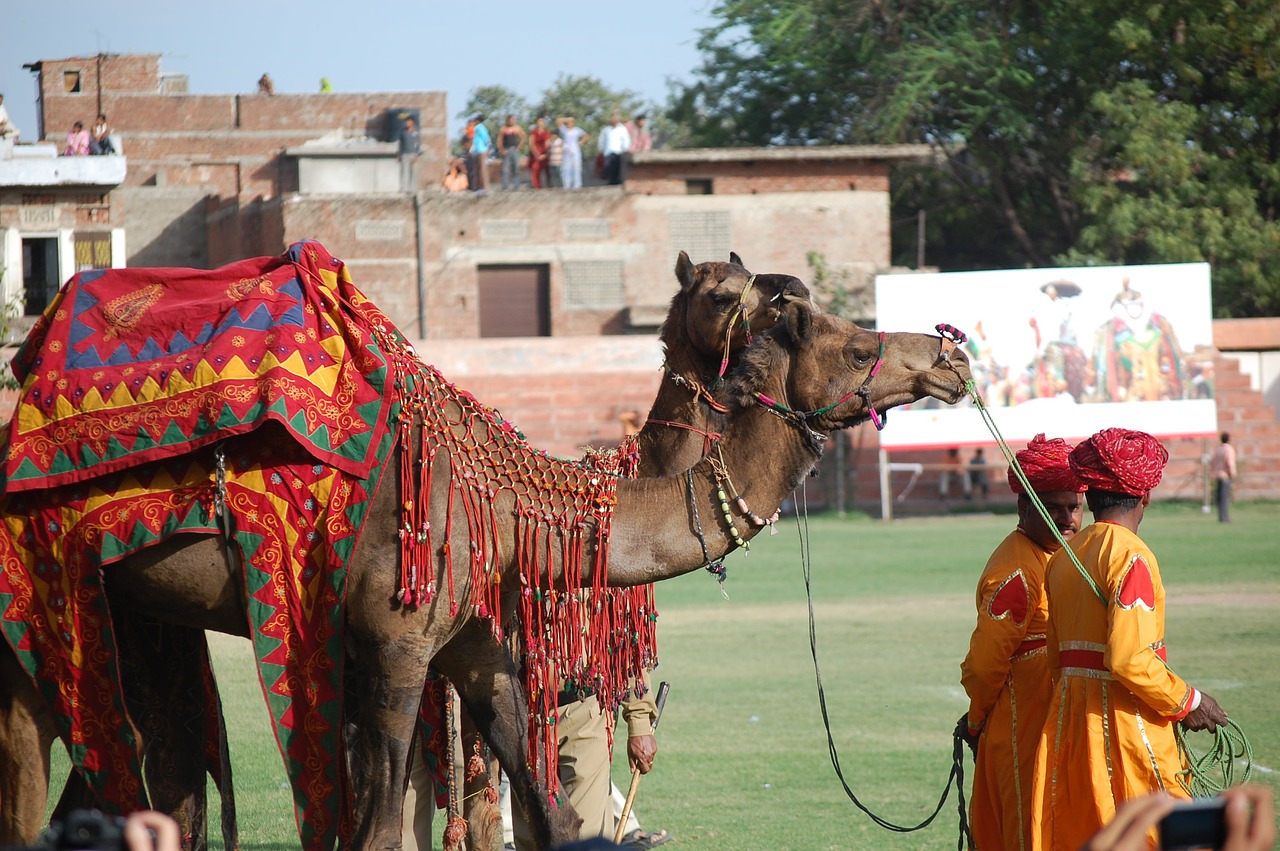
(967, 735)
(1209, 715)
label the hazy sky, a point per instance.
(385, 45)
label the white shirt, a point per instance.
(615, 139)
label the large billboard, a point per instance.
(1065, 351)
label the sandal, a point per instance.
(640, 840)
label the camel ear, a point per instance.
(684, 271)
(799, 319)
(734, 258)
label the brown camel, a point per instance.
(713, 314)
(814, 376)
(816, 364)
(717, 309)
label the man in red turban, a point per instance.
(1006, 673)
(1109, 735)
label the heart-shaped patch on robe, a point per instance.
(1136, 587)
(1011, 600)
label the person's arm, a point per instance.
(640, 714)
(1251, 819)
(1005, 603)
(1134, 630)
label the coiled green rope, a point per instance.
(1209, 773)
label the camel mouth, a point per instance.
(951, 395)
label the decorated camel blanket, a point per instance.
(154, 397)
(132, 365)
(142, 390)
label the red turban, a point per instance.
(1046, 467)
(1120, 460)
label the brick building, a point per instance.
(548, 279)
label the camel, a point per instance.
(797, 383)
(713, 314)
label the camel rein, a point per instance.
(740, 315)
(956, 777)
(952, 338)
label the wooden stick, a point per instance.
(661, 701)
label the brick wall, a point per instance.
(229, 142)
(760, 176)
(582, 385)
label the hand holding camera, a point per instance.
(1241, 819)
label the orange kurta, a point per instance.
(1109, 736)
(1006, 676)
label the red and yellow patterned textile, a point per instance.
(1006, 676)
(128, 366)
(103, 464)
(1109, 735)
(297, 493)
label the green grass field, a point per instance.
(743, 763)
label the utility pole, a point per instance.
(920, 239)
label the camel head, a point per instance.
(720, 305)
(826, 373)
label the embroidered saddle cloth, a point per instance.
(128, 380)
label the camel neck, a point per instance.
(654, 534)
(681, 422)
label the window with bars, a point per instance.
(703, 234)
(593, 285)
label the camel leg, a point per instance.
(479, 791)
(486, 679)
(26, 734)
(384, 683)
(161, 668)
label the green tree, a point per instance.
(1038, 109)
(495, 103)
(1150, 194)
(839, 291)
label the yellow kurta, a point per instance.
(1006, 676)
(1109, 735)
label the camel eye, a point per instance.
(859, 358)
(724, 301)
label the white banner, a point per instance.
(1064, 351)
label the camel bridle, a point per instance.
(740, 315)
(800, 418)
(703, 391)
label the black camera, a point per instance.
(1199, 823)
(84, 830)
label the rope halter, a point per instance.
(952, 339)
(800, 418)
(739, 315)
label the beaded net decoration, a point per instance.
(517, 503)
